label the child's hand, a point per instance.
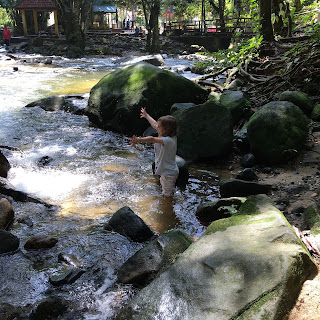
(134, 141)
(143, 113)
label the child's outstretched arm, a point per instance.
(149, 139)
(147, 116)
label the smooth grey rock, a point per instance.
(250, 266)
(242, 188)
(128, 224)
(154, 258)
(8, 242)
(6, 213)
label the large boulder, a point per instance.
(4, 165)
(249, 266)
(276, 130)
(115, 101)
(238, 104)
(205, 131)
(128, 224)
(154, 258)
(6, 213)
(298, 98)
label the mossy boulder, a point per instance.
(275, 130)
(249, 266)
(238, 104)
(312, 218)
(298, 98)
(315, 115)
(205, 131)
(115, 101)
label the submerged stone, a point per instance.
(128, 224)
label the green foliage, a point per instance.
(231, 209)
(231, 57)
(4, 18)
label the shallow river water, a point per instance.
(92, 174)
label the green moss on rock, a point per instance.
(115, 101)
(275, 128)
(315, 115)
(298, 98)
(312, 218)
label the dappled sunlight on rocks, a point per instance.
(117, 168)
(86, 211)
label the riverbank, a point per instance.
(97, 45)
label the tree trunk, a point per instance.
(298, 5)
(265, 17)
(221, 13)
(155, 46)
(219, 10)
(288, 15)
(74, 16)
(278, 23)
(151, 13)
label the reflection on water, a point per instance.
(91, 174)
(158, 213)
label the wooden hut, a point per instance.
(35, 6)
(102, 10)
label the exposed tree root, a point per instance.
(265, 77)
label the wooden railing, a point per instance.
(207, 26)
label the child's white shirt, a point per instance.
(165, 157)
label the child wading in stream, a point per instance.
(165, 146)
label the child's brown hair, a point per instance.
(169, 125)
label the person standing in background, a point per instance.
(6, 36)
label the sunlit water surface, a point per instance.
(92, 174)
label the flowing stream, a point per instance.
(92, 174)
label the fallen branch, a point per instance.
(251, 77)
(12, 56)
(308, 240)
(211, 84)
(213, 75)
(9, 148)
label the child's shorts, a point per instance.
(168, 184)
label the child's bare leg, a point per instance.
(168, 198)
(168, 187)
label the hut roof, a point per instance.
(37, 5)
(106, 6)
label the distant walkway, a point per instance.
(210, 26)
